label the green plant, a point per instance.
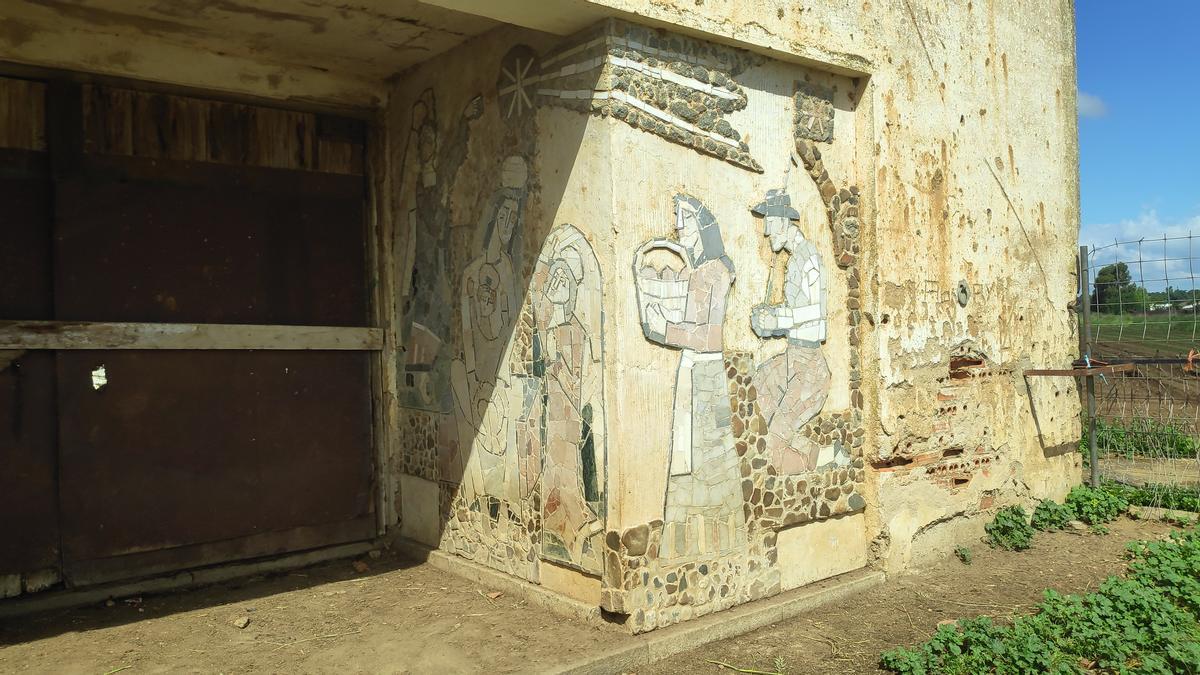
(1143, 437)
(1050, 515)
(964, 554)
(1177, 497)
(1145, 622)
(1010, 529)
(1098, 529)
(1095, 506)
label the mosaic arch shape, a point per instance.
(568, 354)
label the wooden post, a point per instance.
(1085, 329)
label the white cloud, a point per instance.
(1158, 253)
(1091, 106)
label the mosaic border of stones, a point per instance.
(627, 87)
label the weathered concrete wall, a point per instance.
(967, 158)
(922, 158)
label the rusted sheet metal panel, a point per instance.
(177, 248)
(22, 114)
(175, 449)
(164, 126)
(26, 280)
(88, 572)
(28, 492)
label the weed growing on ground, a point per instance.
(964, 554)
(1010, 529)
(1098, 529)
(1050, 515)
(1145, 622)
(1095, 506)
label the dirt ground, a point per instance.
(396, 617)
(906, 610)
(402, 617)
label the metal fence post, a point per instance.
(1085, 308)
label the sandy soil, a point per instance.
(396, 617)
(400, 617)
(849, 638)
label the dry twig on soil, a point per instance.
(722, 664)
(281, 645)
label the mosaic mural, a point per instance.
(569, 345)
(813, 118)
(428, 167)
(503, 377)
(534, 481)
(682, 295)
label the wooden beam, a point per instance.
(1083, 372)
(94, 335)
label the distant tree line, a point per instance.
(1115, 292)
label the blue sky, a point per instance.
(1139, 127)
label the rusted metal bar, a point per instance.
(1085, 337)
(1082, 372)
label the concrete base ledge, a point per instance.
(469, 569)
(67, 598)
(1159, 513)
(666, 642)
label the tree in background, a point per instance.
(1115, 292)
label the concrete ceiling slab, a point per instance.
(360, 42)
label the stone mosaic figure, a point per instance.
(489, 306)
(682, 301)
(567, 301)
(792, 386)
(428, 168)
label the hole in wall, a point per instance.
(892, 463)
(960, 367)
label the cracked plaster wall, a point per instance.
(971, 170)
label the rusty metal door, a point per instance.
(177, 458)
(28, 493)
(172, 459)
(152, 209)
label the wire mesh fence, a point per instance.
(1143, 302)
